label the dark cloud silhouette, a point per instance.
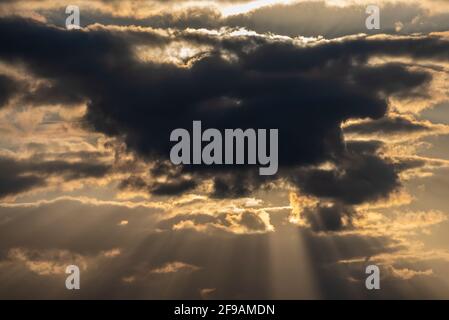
(305, 92)
(358, 179)
(388, 125)
(329, 218)
(173, 188)
(24, 175)
(8, 87)
(363, 146)
(68, 170)
(56, 93)
(405, 81)
(13, 181)
(238, 184)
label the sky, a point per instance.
(86, 176)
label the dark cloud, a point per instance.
(358, 179)
(68, 170)
(24, 175)
(8, 87)
(329, 218)
(363, 146)
(410, 163)
(240, 184)
(173, 188)
(59, 93)
(133, 183)
(388, 125)
(13, 181)
(213, 77)
(405, 81)
(40, 153)
(252, 221)
(305, 92)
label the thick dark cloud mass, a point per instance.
(23, 175)
(12, 181)
(305, 92)
(360, 178)
(404, 84)
(53, 93)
